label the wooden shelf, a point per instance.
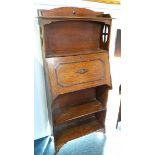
(75, 129)
(48, 20)
(62, 115)
(73, 53)
(75, 17)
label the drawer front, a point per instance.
(73, 73)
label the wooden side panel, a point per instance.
(100, 116)
(102, 94)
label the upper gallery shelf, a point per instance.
(72, 13)
(71, 31)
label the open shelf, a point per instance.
(75, 130)
(68, 113)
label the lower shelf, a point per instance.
(62, 115)
(75, 129)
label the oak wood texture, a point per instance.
(76, 130)
(73, 98)
(75, 44)
(84, 36)
(79, 110)
(74, 53)
(81, 31)
(64, 76)
(69, 11)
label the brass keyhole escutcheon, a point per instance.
(74, 12)
(82, 71)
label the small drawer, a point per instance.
(72, 73)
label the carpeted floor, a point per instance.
(92, 144)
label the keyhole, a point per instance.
(74, 12)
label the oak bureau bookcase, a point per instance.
(75, 45)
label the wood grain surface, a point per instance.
(75, 45)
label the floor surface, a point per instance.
(95, 143)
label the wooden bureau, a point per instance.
(75, 45)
